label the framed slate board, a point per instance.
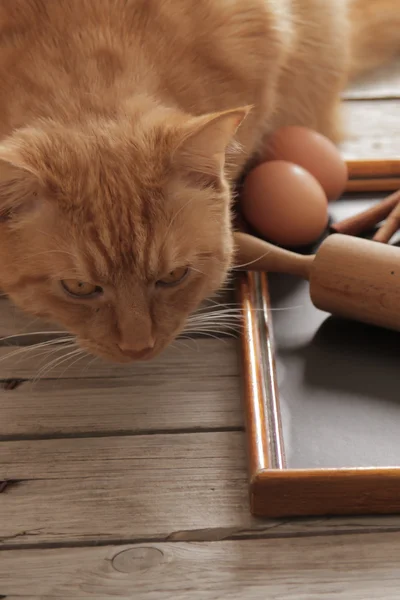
(322, 400)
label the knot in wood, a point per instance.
(141, 558)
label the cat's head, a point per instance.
(117, 230)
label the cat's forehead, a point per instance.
(139, 243)
(141, 239)
(136, 225)
(118, 241)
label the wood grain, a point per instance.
(317, 492)
(15, 322)
(372, 185)
(357, 279)
(353, 567)
(135, 404)
(367, 219)
(372, 129)
(122, 488)
(254, 402)
(263, 425)
(374, 168)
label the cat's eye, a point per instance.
(81, 289)
(174, 277)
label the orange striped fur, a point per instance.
(123, 127)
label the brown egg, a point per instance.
(285, 204)
(313, 152)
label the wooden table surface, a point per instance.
(131, 483)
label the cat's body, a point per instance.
(113, 151)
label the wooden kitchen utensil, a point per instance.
(349, 277)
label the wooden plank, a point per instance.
(205, 396)
(203, 357)
(122, 487)
(165, 487)
(372, 129)
(381, 84)
(340, 568)
(14, 322)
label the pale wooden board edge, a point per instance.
(201, 400)
(295, 568)
(379, 85)
(123, 487)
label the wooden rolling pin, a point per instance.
(349, 277)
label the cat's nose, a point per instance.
(136, 349)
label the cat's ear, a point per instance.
(19, 186)
(206, 141)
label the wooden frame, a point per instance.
(275, 490)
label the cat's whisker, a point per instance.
(228, 305)
(215, 333)
(216, 303)
(219, 334)
(185, 337)
(228, 320)
(27, 349)
(219, 322)
(51, 346)
(28, 325)
(223, 322)
(237, 312)
(237, 267)
(222, 314)
(222, 325)
(215, 316)
(45, 347)
(197, 271)
(215, 307)
(83, 354)
(213, 301)
(37, 352)
(44, 354)
(234, 322)
(209, 334)
(23, 334)
(180, 347)
(55, 363)
(86, 367)
(217, 319)
(219, 306)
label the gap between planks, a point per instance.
(176, 393)
(122, 433)
(114, 490)
(262, 530)
(340, 568)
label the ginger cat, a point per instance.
(123, 126)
